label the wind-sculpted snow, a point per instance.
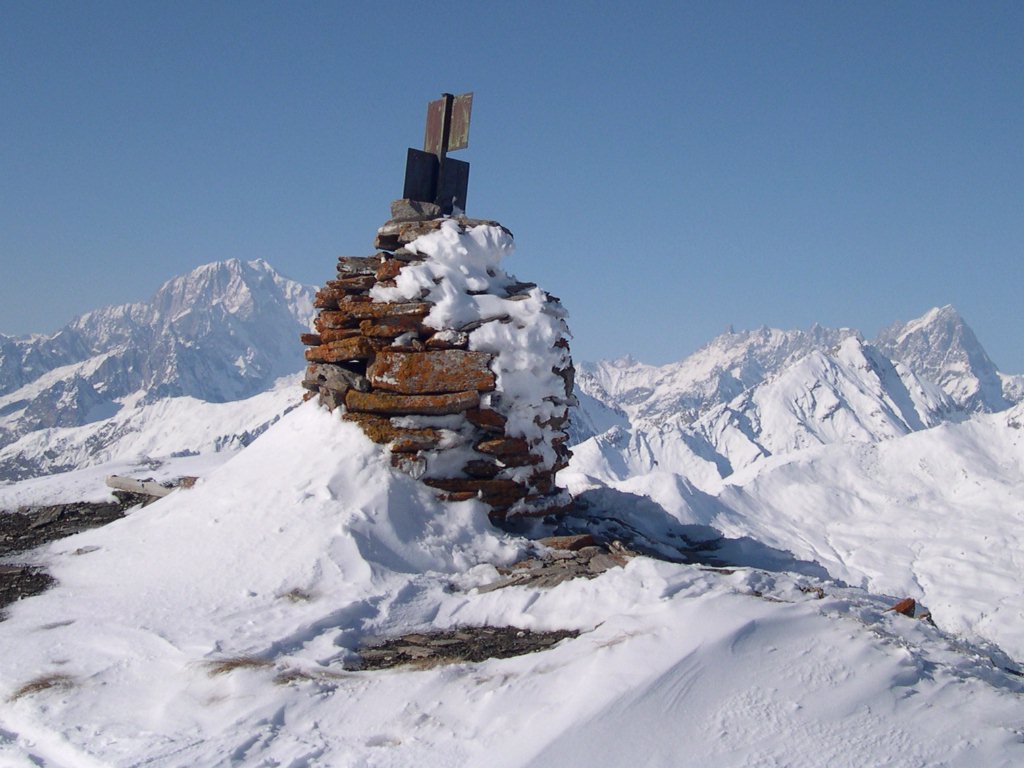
(937, 514)
(210, 628)
(854, 460)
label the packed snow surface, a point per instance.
(307, 542)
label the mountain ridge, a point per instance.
(223, 332)
(749, 395)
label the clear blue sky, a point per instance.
(668, 169)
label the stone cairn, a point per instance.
(431, 395)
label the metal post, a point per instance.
(446, 128)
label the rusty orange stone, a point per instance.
(419, 405)
(327, 298)
(347, 285)
(486, 419)
(503, 446)
(906, 607)
(380, 430)
(376, 310)
(327, 335)
(390, 327)
(356, 348)
(494, 492)
(337, 318)
(349, 266)
(389, 269)
(431, 372)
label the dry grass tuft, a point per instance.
(223, 666)
(43, 683)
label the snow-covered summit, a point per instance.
(940, 346)
(851, 393)
(210, 627)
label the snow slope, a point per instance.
(937, 515)
(821, 456)
(149, 433)
(307, 542)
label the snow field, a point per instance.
(676, 665)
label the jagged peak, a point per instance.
(625, 361)
(945, 316)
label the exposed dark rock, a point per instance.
(561, 559)
(466, 644)
(414, 210)
(30, 527)
(18, 581)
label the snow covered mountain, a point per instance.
(750, 395)
(224, 332)
(887, 470)
(715, 374)
(940, 346)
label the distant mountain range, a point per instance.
(227, 331)
(223, 332)
(753, 394)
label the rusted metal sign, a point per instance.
(448, 124)
(429, 175)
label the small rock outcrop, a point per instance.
(466, 644)
(462, 371)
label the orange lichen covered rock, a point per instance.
(431, 372)
(421, 405)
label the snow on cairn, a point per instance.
(460, 369)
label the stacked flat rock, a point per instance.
(461, 371)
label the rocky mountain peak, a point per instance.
(940, 346)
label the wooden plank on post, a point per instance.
(458, 132)
(434, 134)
